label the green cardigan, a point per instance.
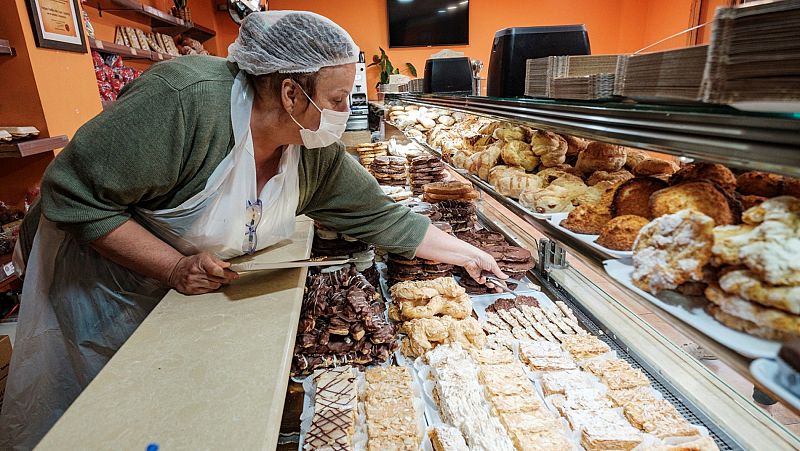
(160, 141)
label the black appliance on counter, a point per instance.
(512, 47)
(448, 75)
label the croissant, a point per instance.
(480, 163)
(519, 153)
(550, 147)
(553, 199)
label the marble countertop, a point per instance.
(201, 372)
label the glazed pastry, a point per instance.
(708, 172)
(600, 156)
(587, 219)
(514, 184)
(654, 167)
(550, 147)
(481, 162)
(703, 197)
(500, 171)
(553, 199)
(743, 325)
(446, 438)
(620, 233)
(573, 184)
(519, 153)
(672, 250)
(423, 334)
(632, 196)
(603, 176)
(758, 183)
(728, 241)
(784, 209)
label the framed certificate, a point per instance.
(57, 24)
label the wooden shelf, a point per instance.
(158, 56)
(123, 50)
(200, 32)
(32, 146)
(6, 49)
(160, 21)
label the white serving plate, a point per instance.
(691, 312)
(556, 219)
(766, 372)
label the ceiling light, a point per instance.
(464, 2)
(442, 11)
(451, 7)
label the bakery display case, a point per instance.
(702, 358)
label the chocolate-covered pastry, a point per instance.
(509, 303)
(342, 321)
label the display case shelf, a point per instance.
(32, 146)
(763, 141)
(591, 260)
(122, 50)
(6, 49)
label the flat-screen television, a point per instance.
(421, 23)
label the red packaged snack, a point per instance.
(116, 85)
(99, 74)
(109, 74)
(97, 59)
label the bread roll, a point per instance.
(708, 172)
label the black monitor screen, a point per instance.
(419, 23)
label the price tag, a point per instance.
(133, 52)
(8, 270)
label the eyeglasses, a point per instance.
(253, 220)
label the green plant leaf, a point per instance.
(389, 67)
(396, 71)
(411, 69)
(384, 78)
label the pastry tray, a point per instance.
(690, 310)
(766, 371)
(556, 219)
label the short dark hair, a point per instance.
(268, 86)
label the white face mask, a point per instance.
(331, 126)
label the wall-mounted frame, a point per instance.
(57, 24)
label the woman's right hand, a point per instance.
(201, 273)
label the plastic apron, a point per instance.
(78, 308)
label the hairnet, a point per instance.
(290, 42)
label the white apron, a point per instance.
(78, 308)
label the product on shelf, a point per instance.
(671, 250)
(400, 269)
(389, 170)
(397, 193)
(335, 398)
(710, 172)
(587, 219)
(598, 177)
(458, 395)
(449, 191)
(391, 417)
(620, 233)
(632, 197)
(341, 322)
(423, 170)
(446, 438)
(654, 167)
(527, 322)
(601, 157)
(368, 151)
(461, 215)
(703, 197)
(513, 261)
(112, 75)
(425, 334)
(189, 46)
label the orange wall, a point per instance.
(663, 18)
(53, 90)
(615, 26)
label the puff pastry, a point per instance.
(519, 153)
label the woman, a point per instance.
(199, 160)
